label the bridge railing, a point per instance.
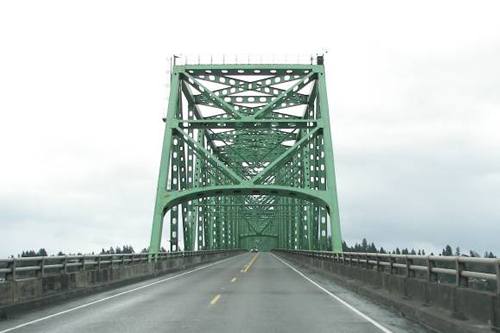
(468, 272)
(28, 267)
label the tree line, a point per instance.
(125, 249)
(370, 247)
(364, 246)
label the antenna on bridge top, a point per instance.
(258, 58)
(175, 57)
(320, 58)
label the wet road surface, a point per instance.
(247, 293)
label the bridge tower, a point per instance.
(247, 160)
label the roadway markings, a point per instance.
(247, 267)
(352, 308)
(215, 299)
(31, 322)
(233, 279)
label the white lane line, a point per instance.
(340, 300)
(112, 296)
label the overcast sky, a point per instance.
(414, 90)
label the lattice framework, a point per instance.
(247, 160)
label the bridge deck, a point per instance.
(246, 293)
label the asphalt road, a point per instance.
(246, 293)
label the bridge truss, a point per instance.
(247, 160)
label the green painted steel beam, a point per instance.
(247, 123)
(247, 160)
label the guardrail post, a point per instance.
(378, 263)
(409, 272)
(497, 267)
(12, 275)
(83, 263)
(461, 281)
(41, 273)
(65, 265)
(391, 266)
(431, 276)
(99, 262)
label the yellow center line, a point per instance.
(215, 299)
(247, 267)
(233, 279)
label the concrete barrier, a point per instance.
(439, 306)
(25, 294)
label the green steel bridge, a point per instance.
(247, 160)
(247, 163)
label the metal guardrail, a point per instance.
(28, 267)
(462, 269)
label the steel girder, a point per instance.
(247, 160)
